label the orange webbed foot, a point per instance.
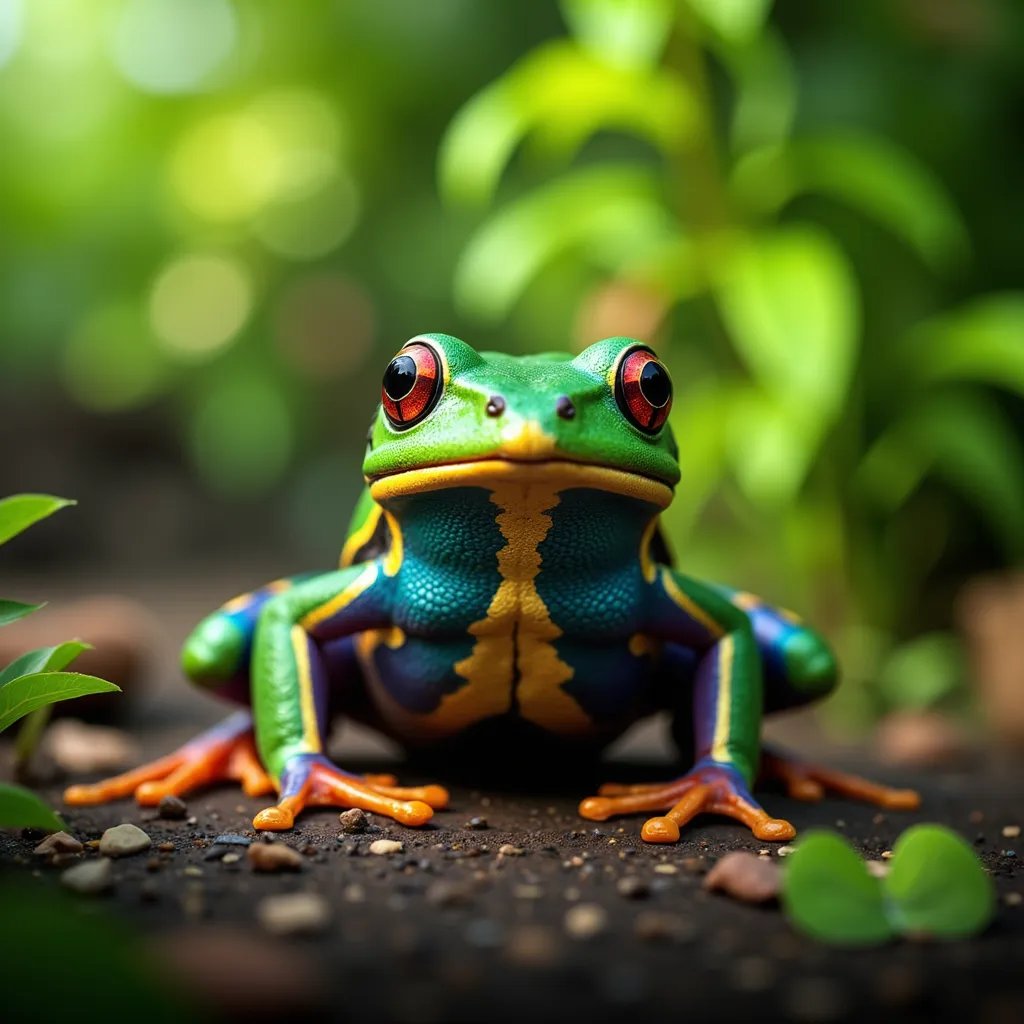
(708, 789)
(811, 782)
(311, 780)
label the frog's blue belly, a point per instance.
(424, 690)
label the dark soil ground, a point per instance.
(451, 930)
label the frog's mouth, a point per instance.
(494, 472)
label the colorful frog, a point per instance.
(505, 580)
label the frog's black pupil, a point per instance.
(655, 385)
(400, 377)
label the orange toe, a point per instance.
(660, 830)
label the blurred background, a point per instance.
(219, 219)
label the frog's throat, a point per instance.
(490, 473)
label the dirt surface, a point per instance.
(450, 929)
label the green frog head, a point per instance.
(450, 414)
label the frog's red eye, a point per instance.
(644, 390)
(412, 385)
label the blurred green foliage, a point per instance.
(223, 216)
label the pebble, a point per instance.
(666, 869)
(123, 841)
(533, 945)
(353, 820)
(172, 808)
(528, 892)
(166, 847)
(298, 913)
(1013, 899)
(231, 839)
(785, 851)
(508, 850)
(585, 921)
(193, 872)
(657, 926)
(633, 888)
(745, 877)
(58, 842)
(477, 823)
(89, 877)
(231, 858)
(269, 857)
(1011, 831)
(353, 893)
(877, 868)
(386, 847)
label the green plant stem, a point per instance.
(29, 735)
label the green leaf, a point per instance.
(791, 305)
(45, 659)
(20, 808)
(876, 177)
(566, 94)
(623, 33)
(828, 894)
(984, 341)
(967, 441)
(937, 886)
(26, 693)
(920, 673)
(19, 512)
(736, 20)
(11, 611)
(612, 213)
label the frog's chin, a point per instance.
(492, 473)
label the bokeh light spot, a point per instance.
(324, 326)
(199, 303)
(11, 20)
(173, 46)
(111, 363)
(242, 435)
(308, 227)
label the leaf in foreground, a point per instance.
(26, 693)
(937, 885)
(45, 659)
(828, 894)
(11, 611)
(21, 511)
(21, 808)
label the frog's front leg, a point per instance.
(290, 699)
(727, 702)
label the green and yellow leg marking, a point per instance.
(290, 697)
(727, 701)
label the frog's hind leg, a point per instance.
(225, 752)
(799, 668)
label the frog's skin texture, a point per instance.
(504, 577)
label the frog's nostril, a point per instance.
(495, 405)
(565, 408)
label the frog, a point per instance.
(506, 579)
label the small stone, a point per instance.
(58, 842)
(585, 921)
(508, 850)
(1011, 831)
(1013, 899)
(63, 860)
(528, 892)
(886, 854)
(753, 974)
(297, 913)
(352, 821)
(785, 851)
(231, 839)
(633, 888)
(353, 893)
(172, 807)
(193, 872)
(533, 945)
(656, 926)
(695, 865)
(877, 868)
(745, 877)
(764, 852)
(90, 877)
(666, 869)
(154, 864)
(269, 857)
(231, 858)
(386, 847)
(449, 894)
(477, 823)
(124, 840)
(166, 847)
